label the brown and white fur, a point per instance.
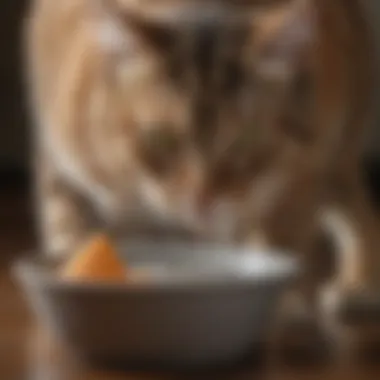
(240, 120)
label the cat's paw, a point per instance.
(303, 340)
(351, 307)
(353, 319)
(301, 336)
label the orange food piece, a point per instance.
(97, 260)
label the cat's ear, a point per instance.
(284, 34)
(122, 26)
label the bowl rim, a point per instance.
(30, 271)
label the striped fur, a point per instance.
(235, 119)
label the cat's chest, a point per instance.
(227, 218)
(116, 197)
(102, 169)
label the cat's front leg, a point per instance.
(303, 333)
(352, 300)
(64, 217)
(299, 332)
(292, 226)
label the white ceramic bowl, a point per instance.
(202, 305)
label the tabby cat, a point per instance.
(239, 120)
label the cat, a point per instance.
(239, 120)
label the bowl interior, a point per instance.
(204, 260)
(177, 263)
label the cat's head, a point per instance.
(203, 86)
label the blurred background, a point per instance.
(14, 134)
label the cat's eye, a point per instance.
(161, 148)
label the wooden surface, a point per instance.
(27, 353)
